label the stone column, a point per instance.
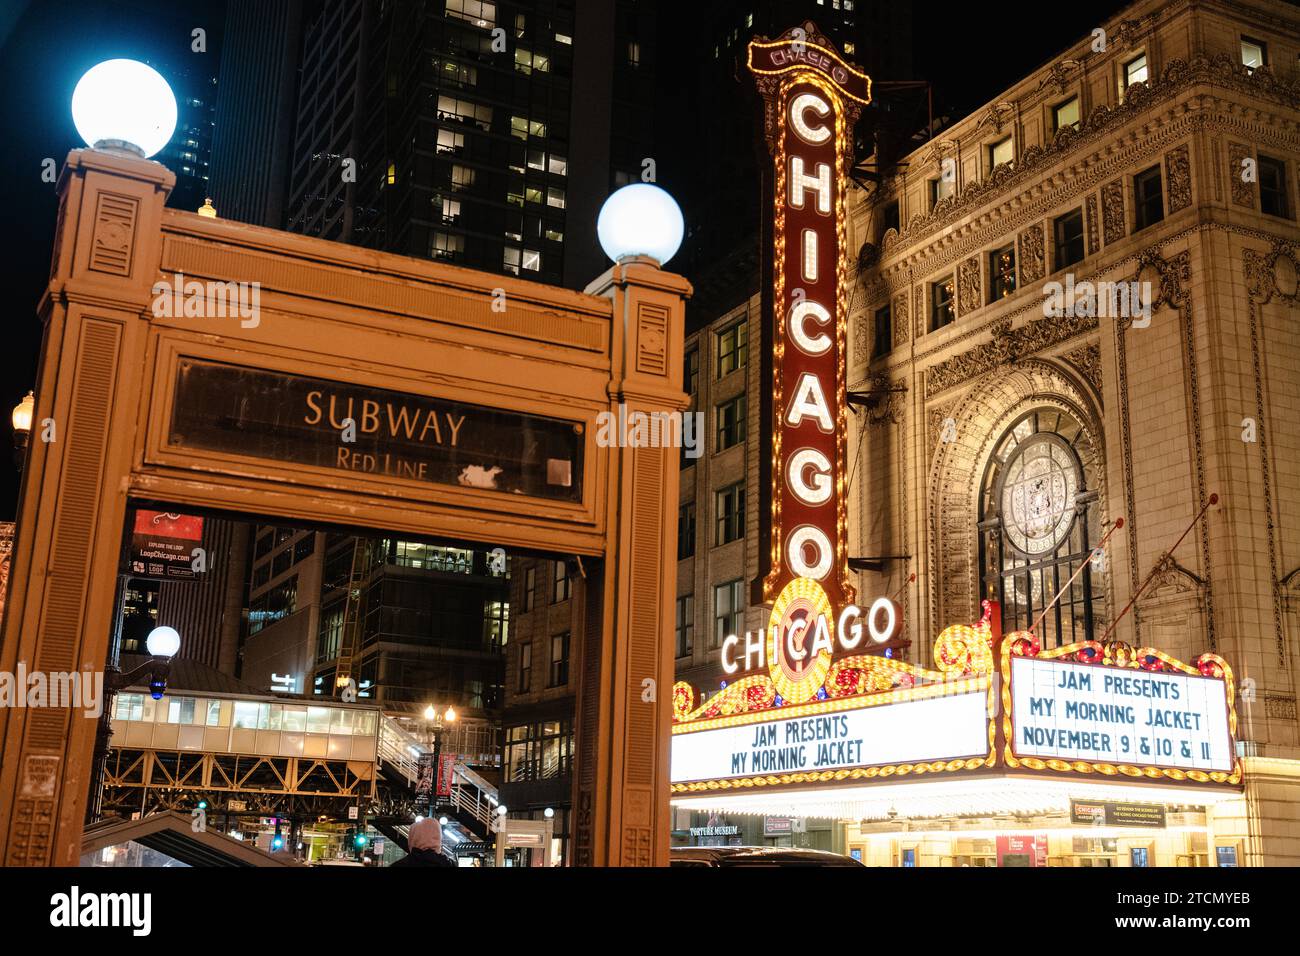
(621, 813)
(70, 517)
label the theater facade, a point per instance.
(1063, 624)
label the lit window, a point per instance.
(533, 193)
(536, 159)
(554, 235)
(1135, 71)
(940, 189)
(392, 173)
(733, 348)
(849, 48)
(555, 197)
(445, 245)
(558, 165)
(1002, 273)
(532, 260)
(633, 53)
(462, 177)
(450, 210)
(1001, 152)
(478, 12)
(536, 128)
(561, 583)
(562, 38)
(449, 142)
(1254, 53)
(941, 306)
(510, 263)
(1066, 114)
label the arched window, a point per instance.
(1039, 514)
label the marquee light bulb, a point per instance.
(640, 220)
(125, 105)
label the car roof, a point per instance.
(759, 856)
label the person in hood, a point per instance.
(425, 846)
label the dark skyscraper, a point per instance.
(253, 140)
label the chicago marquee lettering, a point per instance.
(812, 98)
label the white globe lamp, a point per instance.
(124, 106)
(163, 642)
(640, 220)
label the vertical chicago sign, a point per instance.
(811, 99)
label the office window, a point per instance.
(1273, 187)
(730, 423)
(450, 210)
(1002, 272)
(510, 260)
(730, 509)
(533, 194)
(728, 611)
(536, 159)
(454, 110)
(1148, 200)
(940, 189)
(685, 624)
(526, 61)
(525, 667)
(530, 588)
(1066, 114)
(458, 74)
(462, 177)
(532, 260)
(445, 245)
(449, 142)
(1068, 235)
(1135, 71)
(1001, 152)
(555, 197)
(941, 305)
(496, 623)
(1254, 53)
(691, 372)
(633, 53)
(478, 12)
(884, 333)
(686, 531)
(561, 583)
(564, 38)
(557, 165)
(733, 348)
(559, 660)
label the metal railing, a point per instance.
(471, 794)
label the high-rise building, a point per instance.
(253, 136)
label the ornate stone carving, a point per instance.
(1058, 74)
(1029, 255)
(1178, 175)
(900, 319)
(918, 311)
(862, 339)
(1112, 211)
(1088, 361)
(1094, 243)
(969, 295)
(1007, 346)
(1243, 193)
(935, 417)
(1221, 70)
(887, 405)
(1169, 575)
(1280, 708)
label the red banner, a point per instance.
(446, 770)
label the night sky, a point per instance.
(970, 54)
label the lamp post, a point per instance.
(162, 644)
(434, 721)
(22, 422)
(640, 220)
(124, 107)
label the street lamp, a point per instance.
(22, 422)
(640, 220)
(434, 721)
(125, 107)
(163, 643)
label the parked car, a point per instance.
(755, 856)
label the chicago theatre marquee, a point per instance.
(459, 434)
(1020, 731)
